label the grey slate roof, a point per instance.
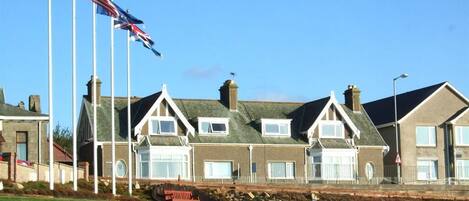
(10, 110)
(245, 126)
(382, 111)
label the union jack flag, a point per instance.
(138, 35)
(109, 8)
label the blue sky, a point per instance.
(280, 50)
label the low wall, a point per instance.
(40, 172)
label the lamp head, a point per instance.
(404, 75)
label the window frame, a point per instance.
(428, 134)
(459, 135)
(331, 122)
(279, 123)
(324, 165)
(435, 165)
(25, 143)
(367, 171)
(464, 176)
(159, 119)
(293, 174)
(207, 176)
(125, 168)
(211, 121)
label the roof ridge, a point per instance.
(412, 91)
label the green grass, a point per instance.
(25, 198)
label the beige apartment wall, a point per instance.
(435, 112)
(3, 170)
(121, 154)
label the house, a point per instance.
(23, 131)
(433, 129)
(230, 139)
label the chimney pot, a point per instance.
(229, 95)
(21, 105)
(352, 98)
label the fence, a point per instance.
(20, 172)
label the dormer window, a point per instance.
(276, 127)
(331, 129)
(162, 126)
(211, 126)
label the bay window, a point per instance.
(333, 165)
(164, 164)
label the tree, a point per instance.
(63, 137)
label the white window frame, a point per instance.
(278, 122)
(460, 136)
(154, 150)
(291, 163)
(369, 171)
(125, 168)
(428, 134)
(159, 119)
(460, 164)
(429, 161)
(324, 153)
(213, 120)
(335, 123)
(206, 173)
(139, 162)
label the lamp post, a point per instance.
(398, 160)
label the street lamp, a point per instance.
(398, 159)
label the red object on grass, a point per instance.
(174, 195)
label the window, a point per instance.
(163, 126)
(281, 170)
(462, 167)
(425, 136)
(427, 169)
(121, 168)
(369, 171)
(462, 135)
(276, 127)
(22, 145)
(144, 166)
(331, 129)
(213, 125)
(218, 170)
(334, 166)
(169, 166)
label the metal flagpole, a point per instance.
(113, 138)
(51, 116)
(74, 92)
(95, 127)
(129, 139)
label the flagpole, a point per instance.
(74, 92)
(129, 139)
(51, 116)
(95, 127)
(113, 137)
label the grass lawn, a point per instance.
(25, 198)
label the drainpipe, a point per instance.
(250, 163)
(39, 160)
(306, 165)
(448, 162)
(193, 163)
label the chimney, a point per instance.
(229, 95)
(21, 105)
(352, 98)
(89, 96)
(35, 103)
(2, 96)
